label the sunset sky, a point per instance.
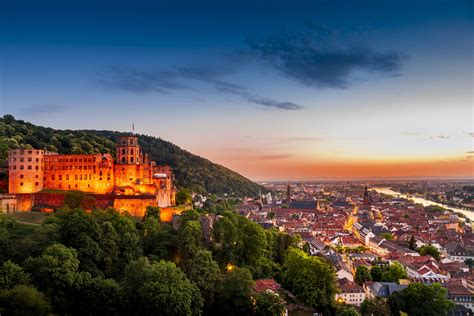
(273, 90)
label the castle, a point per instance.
(131, 183)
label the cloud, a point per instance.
(41, 109)
(273, 156)
(470, 152)
(321, 58)
(181, 78)
(440, 137)
(409, 133)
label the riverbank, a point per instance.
(425, 202)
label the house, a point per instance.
(457, 252)
(382, 289)
(272, 287)
(460, 295)
(351, 293)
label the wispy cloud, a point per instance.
(318, 57)
(410, 133)
(181, 78)
(440, 137)
(273, 156)
(41, 109)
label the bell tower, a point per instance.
(127, 150)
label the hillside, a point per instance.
(191, 171)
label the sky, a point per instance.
(271, 89)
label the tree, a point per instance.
(160, 288)
(159, 239)
(184, 196)
(412, 243)
(394, 273)
(54, 272)
(268, 304)
(24, 300)
(419, 299)
(374, 306)
(387, 236)
(74, 199)
(347, 311)
(233, 296)
(362, 275)
(152, 211)
(204, 272)
(376, 273)
(470, 263)
(311, 279)
(12, 274)
(429, 250)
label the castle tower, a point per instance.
(127, 150)
(26, 168)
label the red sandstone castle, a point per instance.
(131, 183)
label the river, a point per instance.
(425, 202)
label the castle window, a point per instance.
(22, 167)
(131, 159)
(36, 176)
(52, 177)
(90, 177)
(29, 167)
(22, 159)
(36, 183)
(21, 176)
(60, 177)
(22, 152)
(123, 151)
(21, 184)
(67, 177)
(30, 152)
(131, 151)
(30, 159)
(123, 159)
(14, 167)
(36, 167)
(124, 142)
(80, 177)
(75, 177)
(76, 185)
(37, 152)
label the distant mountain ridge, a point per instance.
(191, 171)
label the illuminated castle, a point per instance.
(131, 183)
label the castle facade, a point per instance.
(131, 183)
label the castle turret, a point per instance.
(128, 151)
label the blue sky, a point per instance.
(272, 89)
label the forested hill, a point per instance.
(191, 171)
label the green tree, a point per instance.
(23, 300)
(347, 311)
(394, 273)
(74, 199)
(234, 292)
(159, 239)
(362, 275)
(12, 274)
(374, 306)
(311, 279)
(429, 250)
(268, 304)
(376, 273)
(412, 243)
(419, 299)
(152, 211)
(160, 288)
(184, 196)
(204, 272)
(54, 272)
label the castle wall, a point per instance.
(134, 205)
(87, 173)
(25, 170)
(131, 184)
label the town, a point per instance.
(365, 234)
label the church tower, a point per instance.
(127, 150)
(367, 200)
